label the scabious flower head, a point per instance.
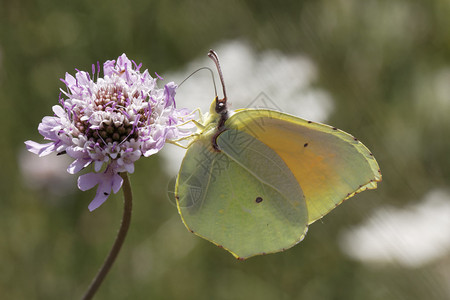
(111, 122)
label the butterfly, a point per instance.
(253, 180)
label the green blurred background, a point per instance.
(386, 66)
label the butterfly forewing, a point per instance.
(329, 164)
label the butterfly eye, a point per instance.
(221, 106)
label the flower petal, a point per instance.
(100, 198)
(59, 111)
(107, 181)
(82, 159)
(49, 127)
(123, 62)
(88, 181)
(117, 183)
(78, 164)
(98, 165)
(70, 80)
(108, 67)
(40, 149)
(169, 94)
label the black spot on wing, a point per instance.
(258, 199)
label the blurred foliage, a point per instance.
(386, 64)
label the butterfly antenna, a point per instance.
(221, 106)
(212, 75)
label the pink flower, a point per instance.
(111, 122)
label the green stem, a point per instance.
(126, 218)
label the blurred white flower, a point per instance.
(413, 236)
(46, 173)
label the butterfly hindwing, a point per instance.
(243, 198)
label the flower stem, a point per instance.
(120, 238)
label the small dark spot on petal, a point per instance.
(259, 199)
(309, 122)
(355, 139)
(370, 154)
(305, 145)
(334, 128)
(105, 193)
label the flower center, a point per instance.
(110, 103)
(108, 134)
(110, 97)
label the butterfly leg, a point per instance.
(200, 115)
(178, 144)
(189, 137)
(199, 123)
